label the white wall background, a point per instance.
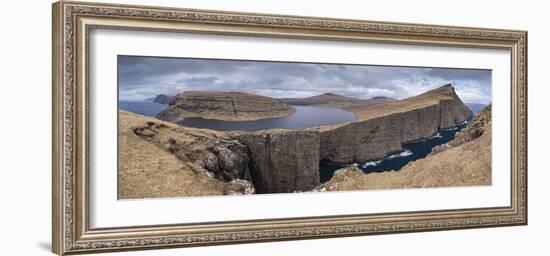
(25, 149)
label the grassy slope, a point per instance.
(432, 97)
(146, 170)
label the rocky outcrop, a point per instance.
(477, 127)
(234, 106)
(239, 187)
(383, 134)
(225, 160)
(161, 159)
(283, 160)
(164, 99)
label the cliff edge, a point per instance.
(382, 128)
(464, 161)
(282, 158)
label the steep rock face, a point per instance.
(379, 136)
(464, 161)
(283, 160)
(234, 106)
(288, 160)
(453, 112)
(164, 99)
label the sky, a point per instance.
(142, 78)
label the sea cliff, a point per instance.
(384, 127)
(464, 161)
(281, 157)
(283, 160)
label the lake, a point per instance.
(411, 151)
(304, 117)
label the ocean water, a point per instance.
(475, 107)
(304, 117)
(146, 108)
(411, 151)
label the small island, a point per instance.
(164, 99)
(229, 106)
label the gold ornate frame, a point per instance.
(72, 22)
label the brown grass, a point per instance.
(146, 170)
(372, 110)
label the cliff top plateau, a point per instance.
(445, 92)
(231, 106)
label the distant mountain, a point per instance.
(475, 107)
(164, 99)
(332, 100)
(379, 99)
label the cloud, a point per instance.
(144, 77)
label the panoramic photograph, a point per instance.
(213, 127)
